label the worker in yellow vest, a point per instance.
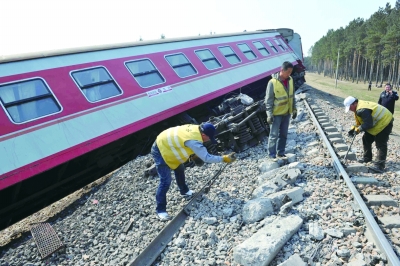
(377, 123)
(280, 105)
(172, 149)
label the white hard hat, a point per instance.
(348, 101)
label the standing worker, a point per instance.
(172, 148)
(388, 98)
(377, 122)
(369, 85)
(280, 104)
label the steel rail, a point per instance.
(379, 237)
(160, 242)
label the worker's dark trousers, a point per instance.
(164, 172)
(381, 141)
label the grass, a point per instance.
(347, 88)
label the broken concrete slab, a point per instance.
(315, 231)
(291, 157)
(287, 177)
(348, 231)
(268, 165)
(334, 232)
(257, 209)
(294, 260)
(295, 194)
(263, 246)
(265, 189)
(270, 175)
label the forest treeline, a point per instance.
(368, 50)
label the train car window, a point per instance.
(247, 51)
(260, 47)
(27, 100)
(145, 73)
(279, 44)
(181, 65)
(96, 84)
(271, 45)
(283, 43)
(229, 54)
(208, 59)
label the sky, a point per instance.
(41, 25)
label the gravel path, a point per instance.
(92, 227)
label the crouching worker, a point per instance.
(377, 122)
(172, 149)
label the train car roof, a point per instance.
(286, 33)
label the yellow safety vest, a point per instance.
(171, 143)
(381, 117)
(283, 102)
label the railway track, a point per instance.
(329, 138)
(115, 224)
(329, 141)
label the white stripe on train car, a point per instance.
(37, 64)
(35, 145)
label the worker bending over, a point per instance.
(377, 122)
(172, 149)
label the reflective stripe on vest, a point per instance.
(171, 143)
(283, 102)
(381, 117)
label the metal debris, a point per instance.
(46, 239)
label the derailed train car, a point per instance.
(70, 117)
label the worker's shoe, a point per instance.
(380, 166)
(281, 156)
(273, 158)
(364, 160)
(188, 194)
(163, 216)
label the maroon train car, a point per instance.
(70, 117)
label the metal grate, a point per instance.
(46, 239)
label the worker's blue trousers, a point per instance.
(164, 172)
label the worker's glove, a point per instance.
(294, 114)
(351, 131)
(230, 158)
(357, 130)
(270, 120)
